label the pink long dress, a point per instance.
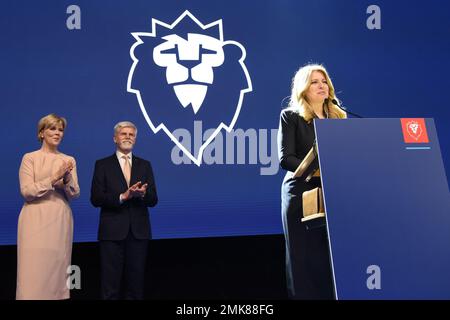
(45, 230)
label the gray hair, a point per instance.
(124, 124)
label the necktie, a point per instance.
(127, 170)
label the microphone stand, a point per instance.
(344, 109)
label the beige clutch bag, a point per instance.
(313, 206)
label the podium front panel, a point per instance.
(387, 208)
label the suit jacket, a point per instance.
(108, 183)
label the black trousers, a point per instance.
(123, 260)
(308, 265)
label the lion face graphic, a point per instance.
(185, 73)
(189, 65)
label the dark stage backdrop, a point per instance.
(204, 81)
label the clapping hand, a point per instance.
(63, 172)
(137, 190)
(140, 191)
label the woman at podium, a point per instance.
(308, 270)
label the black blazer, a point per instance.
(108, 183)
(295, 139)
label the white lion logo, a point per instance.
(187, 64)
(187, 61)
(414, 129)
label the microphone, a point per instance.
(345, 109)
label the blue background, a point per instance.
(398, 71)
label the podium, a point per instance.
(387, 208)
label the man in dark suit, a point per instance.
(123, 187)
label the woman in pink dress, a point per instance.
(48, 181)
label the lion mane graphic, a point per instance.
(185, 72)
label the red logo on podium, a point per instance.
(414, 130)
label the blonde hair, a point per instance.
(49, 121)
(124, 124)
(301, 83)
